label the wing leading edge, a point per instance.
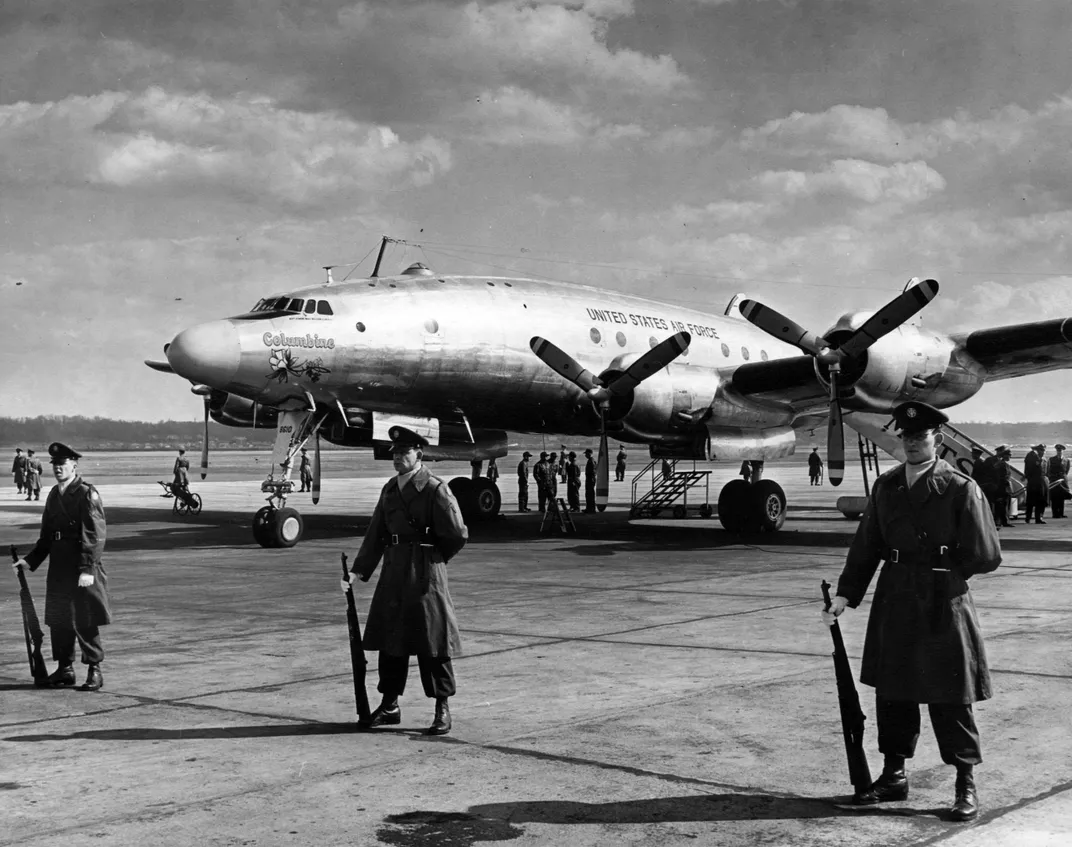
(1021, 349)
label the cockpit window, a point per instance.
(323, 307)
(310, 306)
(295, 305)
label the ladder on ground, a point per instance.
(557, 514)
(668, 486)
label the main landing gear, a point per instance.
(478, 497)
(747, 507)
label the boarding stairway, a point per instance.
(666, 487)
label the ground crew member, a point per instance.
(1037, 484)
(33, 477)
(540, 473)
(1057, 471)
(589, 482)
(573, 483)
(305, 470)
(928, 522)
(416, 529)
(552, 477)
(18, 469)
(619, 464)
(523, 482)
(181, 469)
(1002, 483)
(76, 589)
(562, 464)
(815, 466)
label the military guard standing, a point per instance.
(18, 469)
(589, 481)
(1057, 471)
(523, 482)
(927, 521)
(181, 470)
(33, 476)
(541, 473)
(416, 529)
(76, 589)
(305, 471)
(573, 483)
(1037, 485)
(815, 466)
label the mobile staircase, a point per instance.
(666, 486)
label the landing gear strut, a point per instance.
(277, 525)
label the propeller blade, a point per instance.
(889, 317)
(835, 436)
(778, 325)
(316, 470)
(657, 358)
(602, 467)
(563, 364)
(204, 443)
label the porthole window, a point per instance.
(620, 338)
(431, 325)
(652, 341)
(595, 335)
(744, 352)
(360, 326)
(508, 285)
(726, 350)
(763, 355)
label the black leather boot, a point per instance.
(966, 803)
(892, 785)
(441, 723)
(388, 713)
(62, 677)
(94, 679)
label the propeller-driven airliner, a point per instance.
(463, 360)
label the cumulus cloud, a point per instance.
(243, 144)
(867, 182)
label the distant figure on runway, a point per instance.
(1038, 488)
(815, 467)
(1058, 474)
(305, 471)
(416, 529)
(18, 469)
(76, 589)
(523, 482)
(589, 482)
(33, 476)
(619, 464)
(573, 483)
(746, 470)
(493, 471)
(181, 470)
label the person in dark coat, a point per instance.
(589, 482)
(72, 538)
(416, 528)
(573, 483)
(18, 469)
(305, 471)
(552, 477)
(1037, 484)
(523, 482)
(33, 476)
(746, 470)
(541, 472)
(619, 464)
(815, 466)
(1057, 471)
(181, 470)
(928, 522)
(1001, 483)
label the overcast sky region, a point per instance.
(166, 163)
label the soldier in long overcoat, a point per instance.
(33, 476)
(523, 482)
(18, 469)
(416, 529)
(589, 481)
(1038, 486)
(1057, 471)
(929, 523)
(76, 590)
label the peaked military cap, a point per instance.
(1039, 447)
(403, 438)
(588, 451)
(543, 454)
(978, 451)
(915, 416)
(1002, 451)
(526, 455)
(1059, 447)
(572, 455)
(60, 453)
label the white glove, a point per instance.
(21, 563)
(837, 606)
(346, 583)
(85, 580)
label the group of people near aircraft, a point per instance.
(553, 467)
(1047, 482)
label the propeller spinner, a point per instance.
(658, 357)
(883, 322)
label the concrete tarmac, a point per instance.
(658, 682)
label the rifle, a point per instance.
(852, 716)
(31, 626)
(358, 662)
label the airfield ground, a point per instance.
(655, 683)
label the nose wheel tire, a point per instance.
(277, 527)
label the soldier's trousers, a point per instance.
(541, 493)
(522, 496)
(573, 497)
(953, 723)
(589, 497)
(437, 675)
(88, 639)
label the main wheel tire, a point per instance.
(286, 527)
(706, 511)
(486, 499)
(262, 520)
(767, 506)
(733, 502)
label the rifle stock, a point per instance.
(31, 626)
(852, 716)
(358, 662)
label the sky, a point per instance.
(164, 164)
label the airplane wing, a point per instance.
(1020, 349)
(783, 382)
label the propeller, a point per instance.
(204, 441)
(658, 357)
(316, 469)
(884, 321)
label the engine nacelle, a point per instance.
(674, 398)
(232, 410)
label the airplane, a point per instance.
(462, 360)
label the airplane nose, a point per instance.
(207, 353)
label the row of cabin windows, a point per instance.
(293, 304)
(597, 337)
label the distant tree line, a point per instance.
(105, 433)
